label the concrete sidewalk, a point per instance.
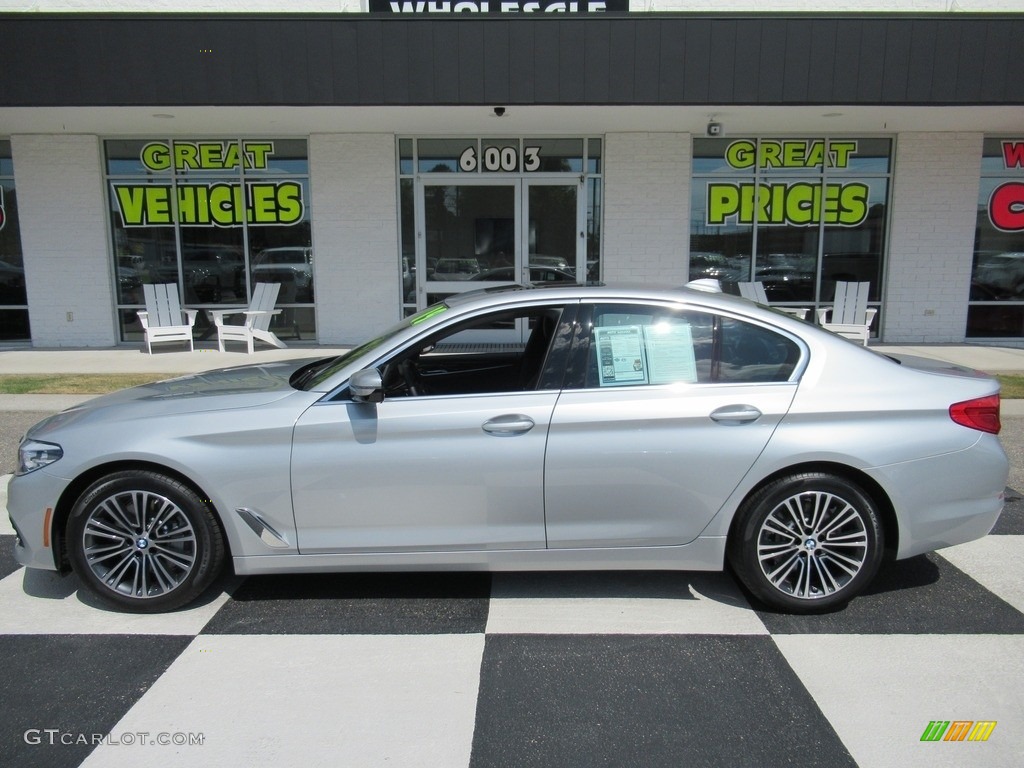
(113, 360)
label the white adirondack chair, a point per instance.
(849, 314)
(755, 292)
(164, 319)
(256, 325)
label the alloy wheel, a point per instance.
(812, 545)
(139, 544)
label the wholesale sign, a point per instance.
(208, 204)
(788, 203)
(498, 6)
(1006, 205)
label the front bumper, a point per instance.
(31, 505)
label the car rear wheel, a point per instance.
(143, 541)
(807, 542)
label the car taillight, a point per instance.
(981, 413)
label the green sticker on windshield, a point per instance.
(427, 313)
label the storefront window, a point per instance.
(216, 217)
(795, 214)
(13, 300)
(996, 307)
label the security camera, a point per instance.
(499, 111)
(714, 129)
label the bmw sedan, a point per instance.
(525, 429)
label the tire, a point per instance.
(155, 561)
(807, 543)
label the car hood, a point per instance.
(222, 389)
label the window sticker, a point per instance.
(650, 354)
(620, 355)
(670, 353)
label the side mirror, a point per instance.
(366, 386)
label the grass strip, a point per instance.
(74, 383)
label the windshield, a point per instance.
(316, 373)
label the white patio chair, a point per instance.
(256, 325)
(755, 292)
(164, 319)
(849, 314)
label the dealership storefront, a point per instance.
(369, 184)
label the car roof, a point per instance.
(514, 293)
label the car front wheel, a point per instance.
(144, 542)
(807, 542)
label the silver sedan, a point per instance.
(526, 429)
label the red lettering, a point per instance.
(1013, 154)
(1006, 207)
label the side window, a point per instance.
(751, 353)
(498, 352)
(635, 345)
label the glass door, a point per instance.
(554, 237)
(468, 237)
(480, 232)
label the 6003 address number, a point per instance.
(499, 159)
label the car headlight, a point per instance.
(33, 455)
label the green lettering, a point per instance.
(840, 151)
(289, 201)
(194, 205)
(210, 156)
(130, 203)
(770, 151)
(748, 193)
(800, 208)
(188, 212)
(815, 154)
(185, 156)
(222, 204)
(794, 154)
(231, 155)
(257, 154)
(830, 209)
(740, 154)
(263, 203)
(156, 157)
(723, 202)
(158, 205)
(853, 204)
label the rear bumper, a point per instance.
(946, 500)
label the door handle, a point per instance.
(509, 424)
(735, 414)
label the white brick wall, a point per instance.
(934, 205)
(355, 234)
(647, 207)
(63, 233)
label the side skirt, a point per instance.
(706, 553)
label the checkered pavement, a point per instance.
(559, 670)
